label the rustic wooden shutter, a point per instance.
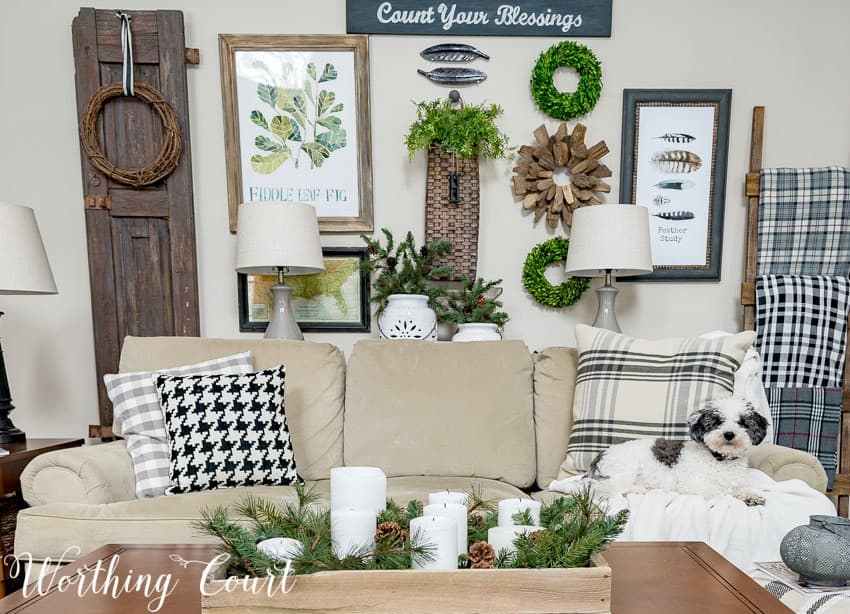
(141, 242)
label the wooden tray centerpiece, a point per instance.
(553, 564)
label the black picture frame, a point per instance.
(720, 99)
(364, 325)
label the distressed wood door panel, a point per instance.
(141, 242)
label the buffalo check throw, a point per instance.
(630, 388)
(804, 222)
(808, 419)
(802, 329)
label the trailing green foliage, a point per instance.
(466, 132)
(534, 275)
(403, 269)
(576, 528)
(563, 105)
(472, 304)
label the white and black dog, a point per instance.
(713, 463)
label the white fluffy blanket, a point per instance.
(741, 534)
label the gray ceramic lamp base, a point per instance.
(283, 324)
(605, 317)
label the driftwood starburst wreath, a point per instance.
(559, 173)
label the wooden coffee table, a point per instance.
(651, 577)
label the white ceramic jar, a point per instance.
(408, 316)
(477, 331)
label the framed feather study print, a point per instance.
(673, 161)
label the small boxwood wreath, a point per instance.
(534, 275)
(563, 105)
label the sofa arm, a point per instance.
(783, 463)
(91, 474)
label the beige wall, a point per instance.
(765, 50)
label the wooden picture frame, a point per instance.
(251, 318)
(297, 124)
(673, 161)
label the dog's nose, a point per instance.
(728, 435)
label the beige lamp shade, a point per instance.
(270, 235)
(611, 238)
(24, 268)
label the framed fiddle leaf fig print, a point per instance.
(675, 145)
(297, 125)
(335, 300)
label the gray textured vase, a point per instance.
(819, 552)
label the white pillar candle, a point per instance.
(456, 512)
(352, 531)
(502, 538)
(509, 507)
(362, 487)
(439, 534)
(281, 549)
(448, 496)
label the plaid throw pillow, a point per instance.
(630, 388)
(226, 430)
(137, 411)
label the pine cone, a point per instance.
(372, 250)
(423, 251)
(482, 556)
(481, 300)
(391, 531)
(534, 536)
(391, 262)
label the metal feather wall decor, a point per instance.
(454, 76)
(676, 137)
(677, 161)
(452, 52)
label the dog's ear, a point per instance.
(696, 427)
(755, 423)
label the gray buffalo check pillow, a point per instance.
(630, 388)
(137, 412)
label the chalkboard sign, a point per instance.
(573, 18)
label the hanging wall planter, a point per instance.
(455, 136)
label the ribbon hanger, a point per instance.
(127, 53)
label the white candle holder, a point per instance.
(509, 507)
(456, 512)
(360, 487)
(439, 535)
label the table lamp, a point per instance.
(278, 238)
(24, 269)
(609, 241)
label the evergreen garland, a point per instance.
(563, 105)
(576, 528)
(534, 275)
(466, 132)
(404, 269)
(472, 304)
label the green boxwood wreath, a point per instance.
(534, 275)
(563, 105)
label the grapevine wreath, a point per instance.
(534, 275)
(563, 105)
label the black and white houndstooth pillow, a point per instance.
(227, 430)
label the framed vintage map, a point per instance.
(297, 125)
(334, 300)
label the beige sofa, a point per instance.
(431, 415)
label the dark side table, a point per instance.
(11, 499)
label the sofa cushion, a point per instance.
(315, 386)
(448, 409)
(629, 388)
(554, 384)
(48, 530)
